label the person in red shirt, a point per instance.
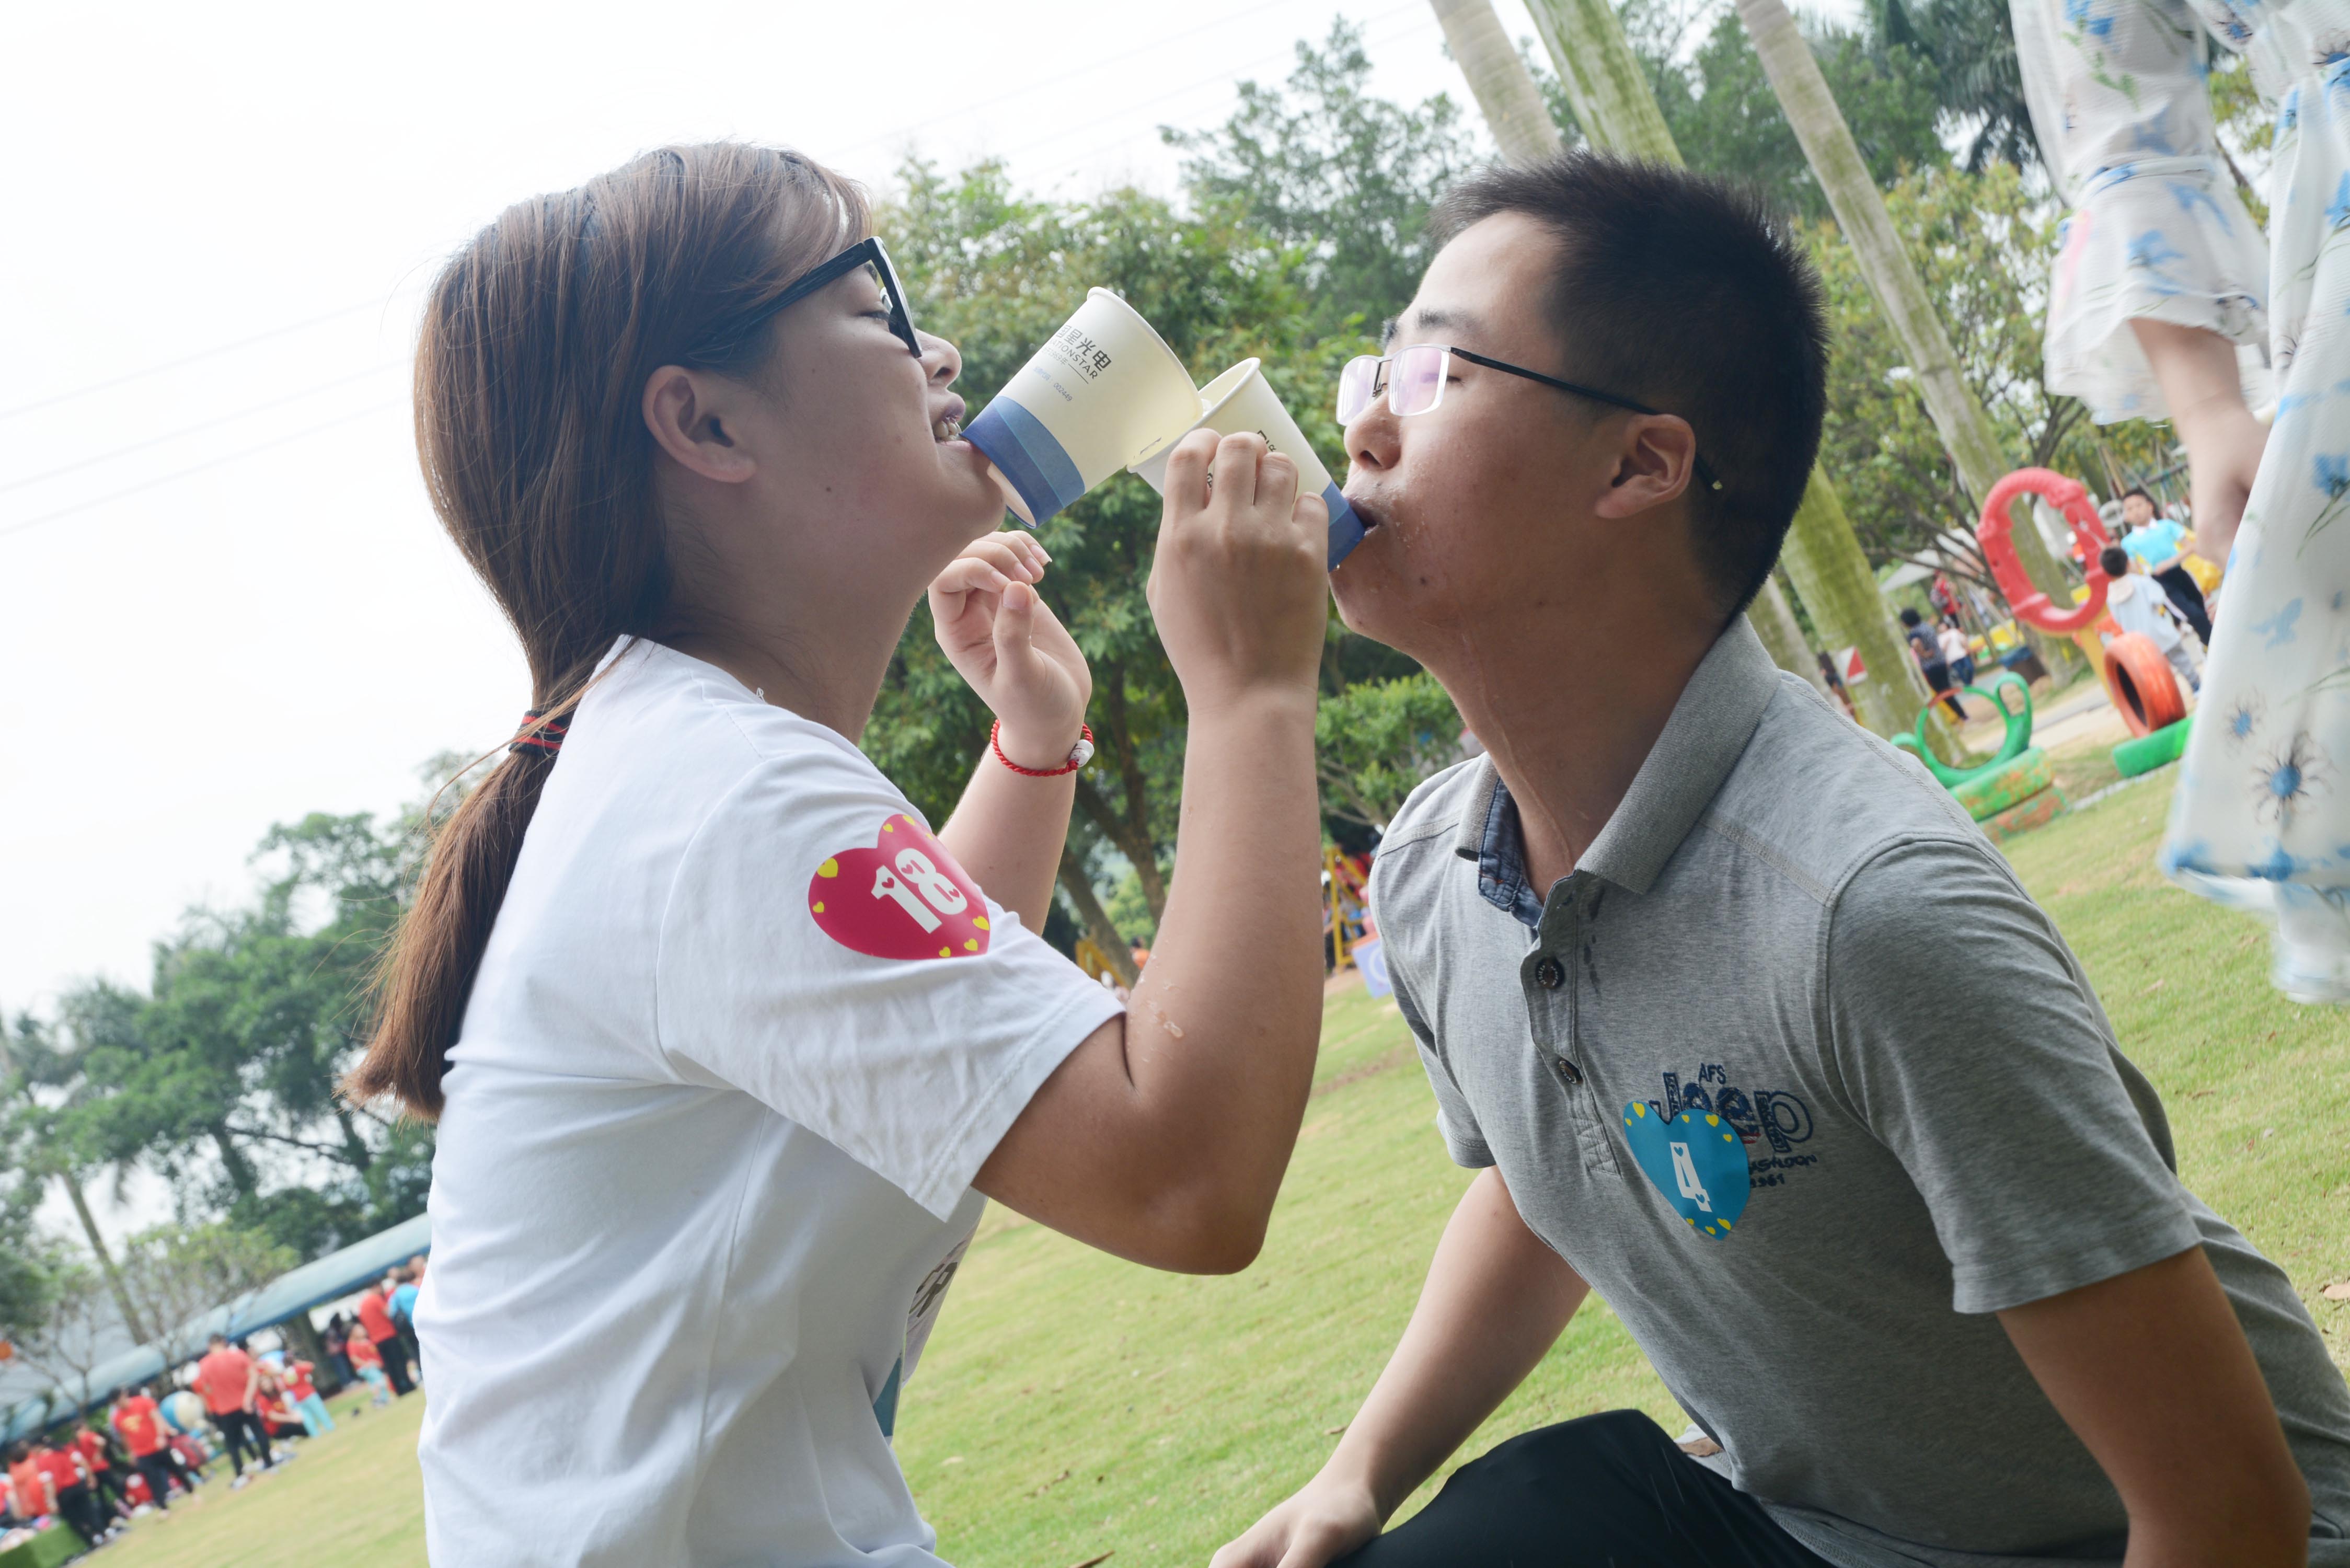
(97, 1453)
(28, 1480)
(374, 1321)
(70, 1485)
(226, 1380)
(139, 1424)
(302, 1393)
(368, 1366)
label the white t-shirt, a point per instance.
(2138, 604)
(741, 1037)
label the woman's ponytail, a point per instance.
(537, 341)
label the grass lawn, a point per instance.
(1072, 1405)
(353, 1499)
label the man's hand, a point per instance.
(2152, 1372)
(1007, 643)
(1325, 1521)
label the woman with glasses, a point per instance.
(725, 1041)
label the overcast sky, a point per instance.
(223, 602)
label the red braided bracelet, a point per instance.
(1079, 755)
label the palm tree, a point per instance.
(1972, 46)
(1612, 99)
(1958, 414)
(35, 1123)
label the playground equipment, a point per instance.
(2013, 792)
(1995, 534)
(1346, 894)
(2144, 753)
(2012, 745)
(2139, 680)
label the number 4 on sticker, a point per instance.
(903, 896)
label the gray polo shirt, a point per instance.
(1794, 1071)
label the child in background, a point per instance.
(302, 1393)
(368, 1364)
(2138, 603)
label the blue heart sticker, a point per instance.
(1696, 1160)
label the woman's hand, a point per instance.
(1239, 586)
(1007, 642)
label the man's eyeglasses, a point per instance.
(868, 254)
(1413, 380)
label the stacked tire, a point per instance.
(2014, 798)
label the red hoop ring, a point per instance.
(2070, 497)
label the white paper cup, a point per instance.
(1242, 399)
(1103, 391)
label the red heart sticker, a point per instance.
(905, 898)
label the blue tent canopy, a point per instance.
(322, 1280)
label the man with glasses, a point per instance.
(1900, 1232)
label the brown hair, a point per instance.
(538, 341)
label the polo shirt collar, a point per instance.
(1702, 742)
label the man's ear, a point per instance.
(1655, 457)
(690, 414)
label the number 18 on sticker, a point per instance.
(902, 898)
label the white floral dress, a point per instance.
(2262, 816)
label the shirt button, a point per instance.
(1568, 1073)
(1550, 973)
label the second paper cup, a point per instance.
(1242, 399)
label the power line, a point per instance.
(176, 476)
(201, 355)
(208, 424)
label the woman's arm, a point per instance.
(1008, 828)
(1163, 1136)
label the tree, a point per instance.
(1970, 46)
(1376, 741)
(1981, 243)
(1343, 178)
(43, 1089)
(64, 1335)
(181, 1272)
(1959, 416)
(1726, 120)
(1616, 108)
(222, 1076)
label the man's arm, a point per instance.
(1496, 1299)
(2152, 1372)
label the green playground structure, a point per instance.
(2013, 792)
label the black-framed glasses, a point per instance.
(1413, 380)
(870, 253)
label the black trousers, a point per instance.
(395, 1364)
(238, 1427)
(1607, 1492)
(2188, 595)
(77, 1507)
(157, 1468)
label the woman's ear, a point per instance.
(690, 414)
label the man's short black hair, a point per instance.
(2138, 490)
(1685, 293)
(1911, 617)
(2114, 560)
